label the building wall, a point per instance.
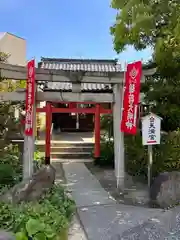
(15, 47)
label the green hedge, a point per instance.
(46, 219)
(166, 156)
(10, 167)
(106, 154)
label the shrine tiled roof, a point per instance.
(65, 86)
(88, 65)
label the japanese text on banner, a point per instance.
(131, 98)
(30, 95)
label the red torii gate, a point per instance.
(97, 111)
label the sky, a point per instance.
(65, 29)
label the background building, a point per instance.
(14, 46)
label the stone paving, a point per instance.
(165, 226)
(104, 222)
(76, 232)
(104, 219)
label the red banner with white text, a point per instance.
(30, 98)
(131, 98)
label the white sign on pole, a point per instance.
(151, 129)
(151, 135)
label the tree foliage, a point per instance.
(155, 24)
(163, 95)
(3, 57)
(8, 126)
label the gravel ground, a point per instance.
(136, 193)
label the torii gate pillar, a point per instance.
(118, 136)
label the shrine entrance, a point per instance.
(96, 110)
(67, 121)
(71, 121)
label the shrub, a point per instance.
(38, 160)
(7, 175)
(11, 166)
(107, 124)
(135, 155)
(38, 157)
(11, 156)
(107, 144)
(166, 156)
(45, 219)
(106, 153)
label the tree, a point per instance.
(8, 125)
(155, 24)
(163, 95)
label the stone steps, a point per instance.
(75, 160)
(71, 155)
(69, 151)
(41, 145)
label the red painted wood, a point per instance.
(75, 110)
(97, 131)
(72, 105)
(48, 133)
(92, 103)
(41, 109)
(105, 111)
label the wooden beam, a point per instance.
(9, 71)
(20, 73)
(12, 96)
(59, 97)
(75, 110)
(75, 97)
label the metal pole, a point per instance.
(150, 161)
